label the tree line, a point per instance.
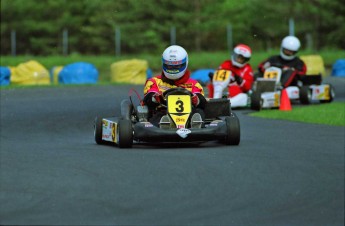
(145, 25)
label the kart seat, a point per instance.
(265, 85)
(217, 107)
(312, 79)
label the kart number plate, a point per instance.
(326, 90)
(321, 92)
(109, 130)
(179, 107)
(271, 74)
(179, 104)
(221, 75)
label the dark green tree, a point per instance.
(145, 24)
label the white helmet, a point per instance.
(175, 62)
(290, 43)
(241, 55)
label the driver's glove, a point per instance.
(238, 79)
(157, 98)
(286, 68)
(195, 100)
(266, 65)
(210, 75)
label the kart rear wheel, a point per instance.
(98, 130)
(234, 132)
(256, 101)
(331, 94)
(125, 133)
(305, 95)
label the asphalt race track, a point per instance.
(52, 172)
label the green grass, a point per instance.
(329, 114)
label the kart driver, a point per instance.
(242, 76)
(294, 69)
(174, 74)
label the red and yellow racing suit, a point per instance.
(160, 83)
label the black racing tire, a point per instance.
(125, 133)
(305, 95)
(98, 130)
(126, 109)
(331, 95)
(233, 130)
(256, 101)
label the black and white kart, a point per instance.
(266, 91)
(220, 123)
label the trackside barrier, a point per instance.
(30, 73)
(78, 73)
(54, 74)
(338, 69)
(129, 71)
(315, 65)
(5, 74)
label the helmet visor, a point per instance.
(288, 52)
(174, 67)
(240, 58)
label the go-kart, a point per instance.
(266, 90)
(220, 81)
(134, 124)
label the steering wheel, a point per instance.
(177, 90)
(279, 65)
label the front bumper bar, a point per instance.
(154, 134)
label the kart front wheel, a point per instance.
(233, 128)
(98, 130)
(125, 133)
(256, 101)
(126, 109)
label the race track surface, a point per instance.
(52, 172)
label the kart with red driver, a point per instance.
(220, 81)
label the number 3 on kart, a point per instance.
(180, 108)
(178, 104)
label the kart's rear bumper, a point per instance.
(154, 134)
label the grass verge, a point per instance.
(328, 114)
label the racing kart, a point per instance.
(266, 90)
(133, 124)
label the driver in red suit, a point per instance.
(174, 74)
(243, 78)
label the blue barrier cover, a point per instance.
(339, 68)
(202, 75)
(78, 73)
(5, 74)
